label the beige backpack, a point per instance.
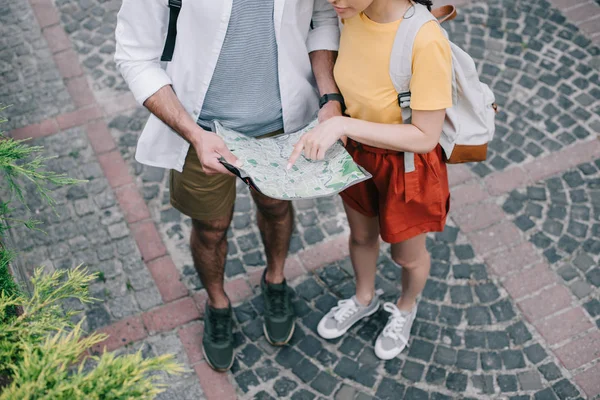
(469, 123)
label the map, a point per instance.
(265, 160)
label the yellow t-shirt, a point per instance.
(363, 65)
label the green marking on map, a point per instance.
(252, 162)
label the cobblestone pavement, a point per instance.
(512, 308)
(560, 217)
(468, 340)
(31, 84)
(540, 67)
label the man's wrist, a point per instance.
(332, 97)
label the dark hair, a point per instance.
(426, 3)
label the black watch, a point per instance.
(332, 96)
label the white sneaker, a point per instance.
(394, 337)
(347, 312)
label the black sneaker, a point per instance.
(279, 314)
(217, 342)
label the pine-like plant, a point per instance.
(43, 355)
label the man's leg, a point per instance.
(208, 243)
(208, 200)
(275, 220)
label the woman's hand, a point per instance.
(318, 140)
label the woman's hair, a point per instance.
(426, 3)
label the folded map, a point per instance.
(265, 160)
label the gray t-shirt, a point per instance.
(244, 91)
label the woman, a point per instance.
(377, 140)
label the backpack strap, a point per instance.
(174, 7)
(401, 73)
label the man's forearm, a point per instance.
(322, 65)
(167, 107)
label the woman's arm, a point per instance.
(421, 136)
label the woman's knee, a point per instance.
(364, 238)
(414, 261)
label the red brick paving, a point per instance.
(529, 280)
(459, 173)
(580, 351)
(469, 193)
(121, 333)
(546, 302)
(495, 237)
(44, 128)
(45, 13)
(474, 217)
(170, 316)
(589, 382)
(68, 65)
(56, 38)
(191, 338)
(215, 385)
(564, 326)
(79, 117)
(100, 138)
(167, 279)
(132, 204)
(513, 260)
(238, 290)
(148, 240)
(324, 253)
(501, 182)
(115, 169)
(80, 91)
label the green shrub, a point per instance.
(43, 355)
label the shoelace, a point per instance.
(344, 310)
(220, 325)
(278, 301)
(395, 323)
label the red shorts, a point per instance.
(385, 196)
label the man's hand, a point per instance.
(330, 109)
(210, 148)
(318, 140)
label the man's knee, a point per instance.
(272, 208)
(210, 232)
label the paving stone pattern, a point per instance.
(31, 84)
(316, 220)
(90, 24)
(540, 68)
(87, 228)
(468, 340)
(560, 216)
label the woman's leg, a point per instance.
(364, 252)
(413, 257)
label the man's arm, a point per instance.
(140, 32)
(141, 28)
(323, 42)
(322, 64)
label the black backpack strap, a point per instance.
(174, 7)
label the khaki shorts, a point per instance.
(201, 196)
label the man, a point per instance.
(246, 63)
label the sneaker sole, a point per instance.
(350, 326)
(211, 364)
(283, 343)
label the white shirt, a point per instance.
(202, 25)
